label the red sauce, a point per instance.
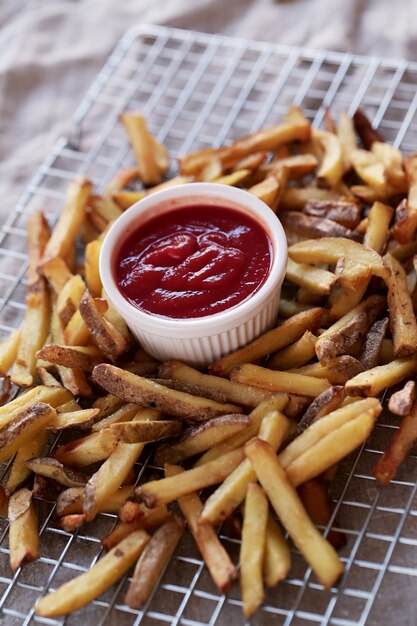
(193, 261)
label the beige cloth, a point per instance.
(50, 51)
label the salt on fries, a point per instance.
(280, 411)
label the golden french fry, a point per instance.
(108, 338)
(81, 357)
(84, 588)
(142, 432)
(77, 418)
(215, 556)
(252, 549)
(152, 157)
(347, 138)
(70, 501)
(30, 450)
(296, 354)
(23, 529)
(401, 312)
(149, 520)
(274, 380)
(92, 274)
(319, 554)
(24, 425)
(51, 468)
(406, 214)
(312, 278)
(331, 168)
(375, 380)
(277, 556)
(153, 561)
(57, 273)
(8, 351)
(38, 236)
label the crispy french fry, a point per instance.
(344, 212)
(296, 354)
(320, 555)
(64, 420)
(252, 548)
(92, 274)
(57, 273)
(312, 278)
(406, 214)
(114, 470)
(84, 588)
(402, 401)
(347, 138)
(82, 452)
(38, 236)
(274, 380)
(137, 389)
(30, 450)
(72, 217)
(295, 198)
(23, 530)
(108, 338)
(300, 226)
(331, 168)
(142, 432)
(201, 437)
(70, 501)
(152, 157)
(337, 371)
(8, 351)
(273, 340)
(82, 357)
(325, 403)
(51, 468)
(372, 346)
(375, 380)
(152, 562)
(26, 423)
(150, 520)
(277, 556)
(34, 333)
(215, 556)
(157, 492)
(401, 312)
(71, 523)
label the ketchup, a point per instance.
(193, 261)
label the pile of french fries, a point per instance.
(264, 427)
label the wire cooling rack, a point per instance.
(200, 90)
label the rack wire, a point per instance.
(199, 90)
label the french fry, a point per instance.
(151, 156)
(316, 501)
(57, 273)
(274, 403)
(344, 212)
(337, 371)
(372, 346)
(197, 439)
(70, 501)
(111, 475)
(375, 380)
(53, 396)
(8, 351)
(401, 401)
(234, 392)
(319, 554)
(366, 132)
(379, 218)
(84, 588)
(406, 214)
(92, 274)
(141, 391)
(296, 354)
(70, 419)
(142, 432)
(153, 561)
(38, 236)
(286, 382)
(23, 530)
(347, 138)
(71, 523)
(269, 191)
(85, 451)
(70, 220)
(150, 520)
(25, 424)
(81, 357)
(280, 337)
(252, 548)
(34, 333)
(331, 168)
(300, 226)
(288, 308)
(325, 403)
(398, 448)
(231, 493)
(30, 450)
(107, 405)
(215, 556)
(157, 492)
(312, 278)
(401, 312)
(108, 338)
(277, 556)
(51, 468)
(295, 198)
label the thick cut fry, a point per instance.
(402, 401)
(85, 588)
(70, 501)
(82, 452)
(114, 471)
(295, 198)
(8, 351)
(142, 432)
(355, 260)
(38, 236)
(273, 380)
(153, 561)
(347, 138)
(26, 423)
(231, 493)
(277, 557)
(30, 450)
(34, 333)
(215, 556)
(72, 217)
(350, 328)
(51, 468)
(319, 554)
(150, 520)
(296, 354)
(82, 357)
(344, 212)
(312, 278)
(23, 529)
(92, 274)
(124, 413)
(76, 332)
(276, 402)
(406, 214)
(72, 419)
(318, 505)
(377, 231)
(107, 404)
(327, 424)
(331, 449)
(152, 157)
(372, 346)
(325, 403)
(141, 391)
(252, 548)
(269, 191)
(201, 437)
(275, 339)
(331, 168)
(54, 396)
(300, 226)
(109, 339)
(398, 448)
(375, 380)
(337, 371)
(234, 392)
(157, 492)
(71, 523)
(401, 312)
(57, 273)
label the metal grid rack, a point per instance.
(201, 90)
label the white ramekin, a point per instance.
(198, 341)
